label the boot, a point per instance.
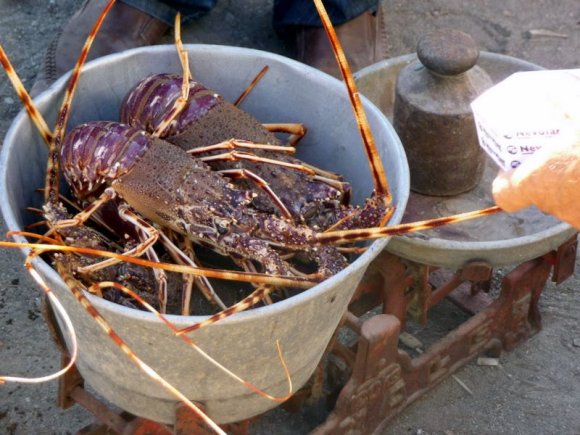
(363, 39)
(124, 27)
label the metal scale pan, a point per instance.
(500, 240)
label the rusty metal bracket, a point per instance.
(376, 387)
(187, 422)
(67, 383)
(565, 260)
(385, 379)
(72, 392)
(385, 283)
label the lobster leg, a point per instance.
(188, 281)
(238, 143)
(323, 173)
(148, 235)
(81, 217)
(73, 205)
(202, 283)
(246, 174)
(375, 212)
(296, 131)
(36, 225)
(182, 258)
(248, 266)
(262, 184)
(152, 235)
(334, 182)
(240, 155)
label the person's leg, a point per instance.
(359, 25)
(294, 13)
(165, 10)
(129, 24)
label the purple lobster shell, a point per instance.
(153, 98)
(96, 153)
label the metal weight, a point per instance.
(432, 114)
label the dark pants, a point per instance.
(287, 13)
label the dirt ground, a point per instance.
(536, 387)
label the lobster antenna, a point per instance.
(53, 141)
(53, 165)
(375, 163)
(55, 303)
(52, 174)
(33, 113)
(251, 86)
(348, 236)
(377, 169)
(256, 296)
(181, 102)
(250, 277)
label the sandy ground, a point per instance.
(536, 388)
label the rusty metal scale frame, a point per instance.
(383, 379)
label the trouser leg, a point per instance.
(287, 13)
(165, 10)
(292, 13)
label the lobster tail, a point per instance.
(98, 152)
(147, 105)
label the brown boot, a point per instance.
(124, 27)
(363, 39)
